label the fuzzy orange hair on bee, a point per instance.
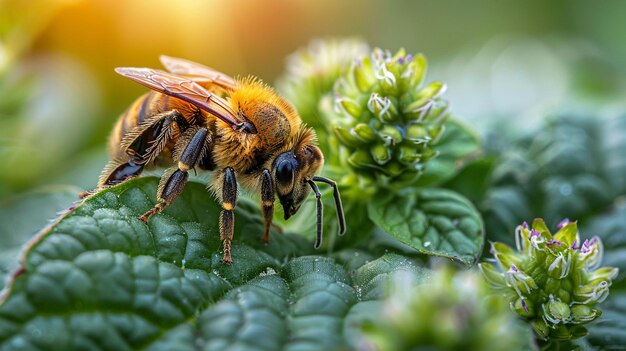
(195, 117)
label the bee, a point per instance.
(195, 117)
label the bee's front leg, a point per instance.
(227, 216)
(173, 183)
(267, 203)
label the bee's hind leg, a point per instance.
(115, 172)
(227, 216)
(145, 142)
(193, 146)
(118, 171)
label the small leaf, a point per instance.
(433, 221)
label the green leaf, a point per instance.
(432, 221)
(457, 144)
(25, 215)
(101, 279)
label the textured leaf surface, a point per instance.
(433, 221)
(101, 279)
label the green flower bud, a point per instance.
(380, 154)
(524, 308)
(351, 107)
(604, 273)
(541, 328)
(391, 135)
(556, 312)
(417, 132)
(494, 278)
(360, 158)
(365, 132)
(380, 102)
(346, 137)
(594, 292)
(584, 314)
(556, 273)
(408, 155)
(562, 332)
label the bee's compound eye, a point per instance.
(284, 172)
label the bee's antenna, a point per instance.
(320, 214)
(338, 205)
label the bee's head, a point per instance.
(292, 170)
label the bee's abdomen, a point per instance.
(143, 108)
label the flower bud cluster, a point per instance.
(384, 117)
(552, 281)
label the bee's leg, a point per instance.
(117, 171)
(172, 183)
(320, 215)
(114, 172)
(267, 203)
(227, 216)
(146, 141)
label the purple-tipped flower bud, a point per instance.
(554, 273)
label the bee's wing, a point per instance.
(184, 89)
(198, 72)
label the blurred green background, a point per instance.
(505, 62)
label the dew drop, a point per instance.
(565, 189)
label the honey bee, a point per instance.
(240, 129)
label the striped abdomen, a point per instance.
(139, 111)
